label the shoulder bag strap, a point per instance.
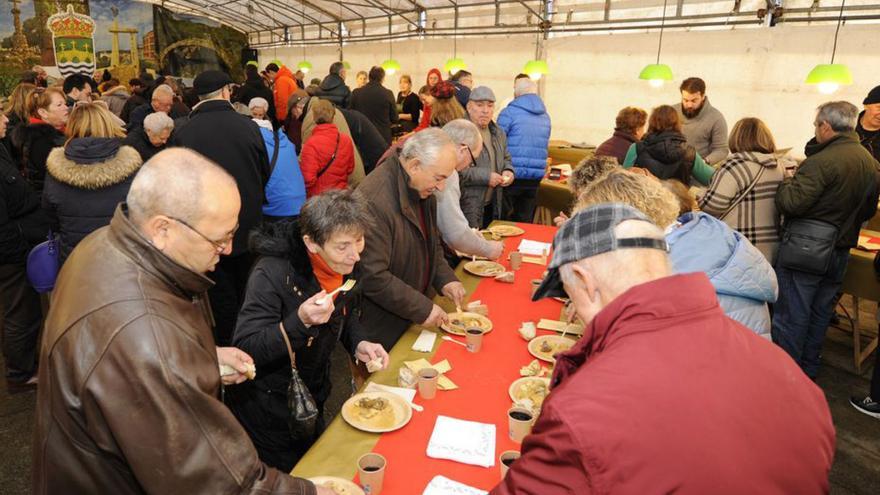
(274, 152)
(744, 193)
(289, 349)
(332, 158)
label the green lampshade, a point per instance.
(304, 66)
(277, 62)
(829, 77)
(254, 63)
(536, 68)
(391, 66)
(656, 74)
(346, 65)
(454, 65)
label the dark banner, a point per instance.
(187, 45)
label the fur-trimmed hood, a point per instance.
(125, 163)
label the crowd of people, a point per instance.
(217, 223)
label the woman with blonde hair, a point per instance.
(89, 176)
(744, 281)
(743, 190)
(44, 129)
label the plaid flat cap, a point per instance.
(588, 233)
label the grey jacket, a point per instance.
(474, 181)
(707, 132)
(453, 225)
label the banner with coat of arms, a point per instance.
(72, 39)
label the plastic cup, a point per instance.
(520, 422)
(535, 284)
(371, 472)
(428, 383)
(505, 460)
(515, 260)
(474, 339)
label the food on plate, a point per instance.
(484, 268)
(546, 347)
(459, 322)
(337, 487)
(533, 369)
(531, 392)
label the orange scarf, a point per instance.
(328, 279)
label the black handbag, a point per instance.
(300, 403)
(807, 245)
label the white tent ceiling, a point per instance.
(293, 22)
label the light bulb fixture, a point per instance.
(391, 66)
(829, 77)
(535, 69)
(656, 74)
(346, 65)
(453, 65)
(305, 66)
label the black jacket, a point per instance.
(255, 87)
(23, 224)
(138, 139)
(82, 192)
(134, 101)
(281, 280)
(377, 103)
(333, 88)
(34, 142)
(666, 155)
(136, 120)
(234, 142)
(837, 183)
(369, 142)
(869, 139)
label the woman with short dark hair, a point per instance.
(300, 264)
(629, 127)
(664, 150)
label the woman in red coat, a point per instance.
(327, 157)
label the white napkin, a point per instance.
(533, 248)
(408, 394)
(462, 441)
(425, 342)
(441, 485)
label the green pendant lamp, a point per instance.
(454, 64)
(391, 66)
(829, 77)
(305, 66)
(656, 74)
(535, 69)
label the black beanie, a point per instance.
(873, 96)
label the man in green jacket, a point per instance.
(836, 184)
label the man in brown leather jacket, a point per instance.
(129, 380)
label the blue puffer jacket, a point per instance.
(744, 281)
(286, 190)
(527, 125)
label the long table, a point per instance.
(483, 380)
(861, 282)
(555, 196)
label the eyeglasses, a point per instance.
(220, 245)
(473, 160)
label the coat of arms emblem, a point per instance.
(72, 38)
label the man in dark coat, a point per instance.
(22, 225)
(868, 127)
(135, 100)
(367, 139)
(403, 261)
(836, 184)
(152, 137)
(594, 435)
(333, 86)
(377, 103)
(234, 142)
(254, 87)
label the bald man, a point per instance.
(128, 400)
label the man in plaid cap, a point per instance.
(663, 393)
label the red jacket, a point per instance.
(285, 85)
(664, 394)
(316, 153)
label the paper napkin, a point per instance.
(463, 441)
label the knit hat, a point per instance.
(443, 90)
(873, 96)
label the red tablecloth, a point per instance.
(483, 381)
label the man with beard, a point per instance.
(868, 126)
(703, 125)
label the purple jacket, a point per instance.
(616, 146)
